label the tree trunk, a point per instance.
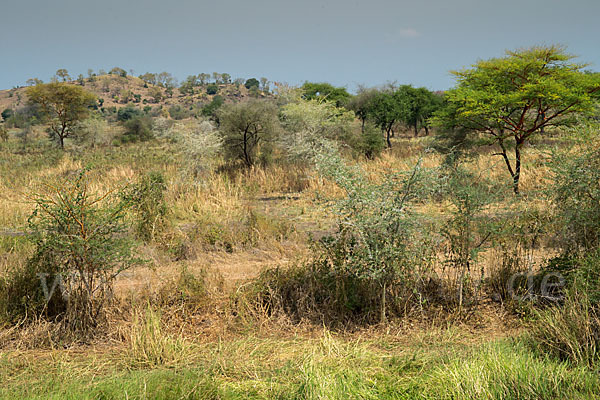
(389, 142)
(362, 128)
(517, 174)
(426, 130)
(416, 130)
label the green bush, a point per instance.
(575, 192)
(370, 143)
(148, 205)
(127, 113)
(571, 329)
(212, 89)
(80, 247)
(138, 129)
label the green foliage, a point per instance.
(7, 113)
(575, 192)
(64, 104)
(418, 105)
(310, 122)
(370, 143)
(78, 236)
(510, 100)
(248, 129)
(147, 199)
(212, 89)
(325, 91)
(467, 231)
(252, 82)
(138, 129)
(118, 71)
(571, 329)
(127, 113)
(210, 110)
(385, 110)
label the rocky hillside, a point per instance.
(118, 91)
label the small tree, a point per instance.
(65, 104)
(325, 91)
(252, 82)
(386, 110)
(246, 127)
(510, 100)
(79, 237)
(63, 74)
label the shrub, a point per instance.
(575, 192)
(80, 247)
(378, 262)
(148, 204)
(370, 143)
(212, 89)
(127, 113)
(571, 330)
(3, 134)
(210, 110)
(247, 130)
(7, 113)
(95, 132)
(138, 129)
(200, 144)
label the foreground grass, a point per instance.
(444, 367)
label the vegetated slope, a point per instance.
(118, 91)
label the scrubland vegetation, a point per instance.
(304, 243)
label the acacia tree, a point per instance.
(386, 110)
(361, 104)
(418, 105)
(65, 104)
(509, 100)
(247, 126)
(63, 74)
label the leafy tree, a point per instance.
(210, 110)
(418, 105)
(118, 71)
(361, 104)
(252, 82)
(203, 78)
(65, 104)
(386, 110)
(308, 123)
(33, 81)
(264, 84)
(326, 91)
(166, 80)
(509, 100)
(246, 127)
(156, 93)
(149, 78)
(63, 74)
(225, 77)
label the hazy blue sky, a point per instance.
(345, 42)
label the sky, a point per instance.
(344, 42)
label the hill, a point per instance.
(119, 91)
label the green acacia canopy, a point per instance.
(510, 99)
(64, 104)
